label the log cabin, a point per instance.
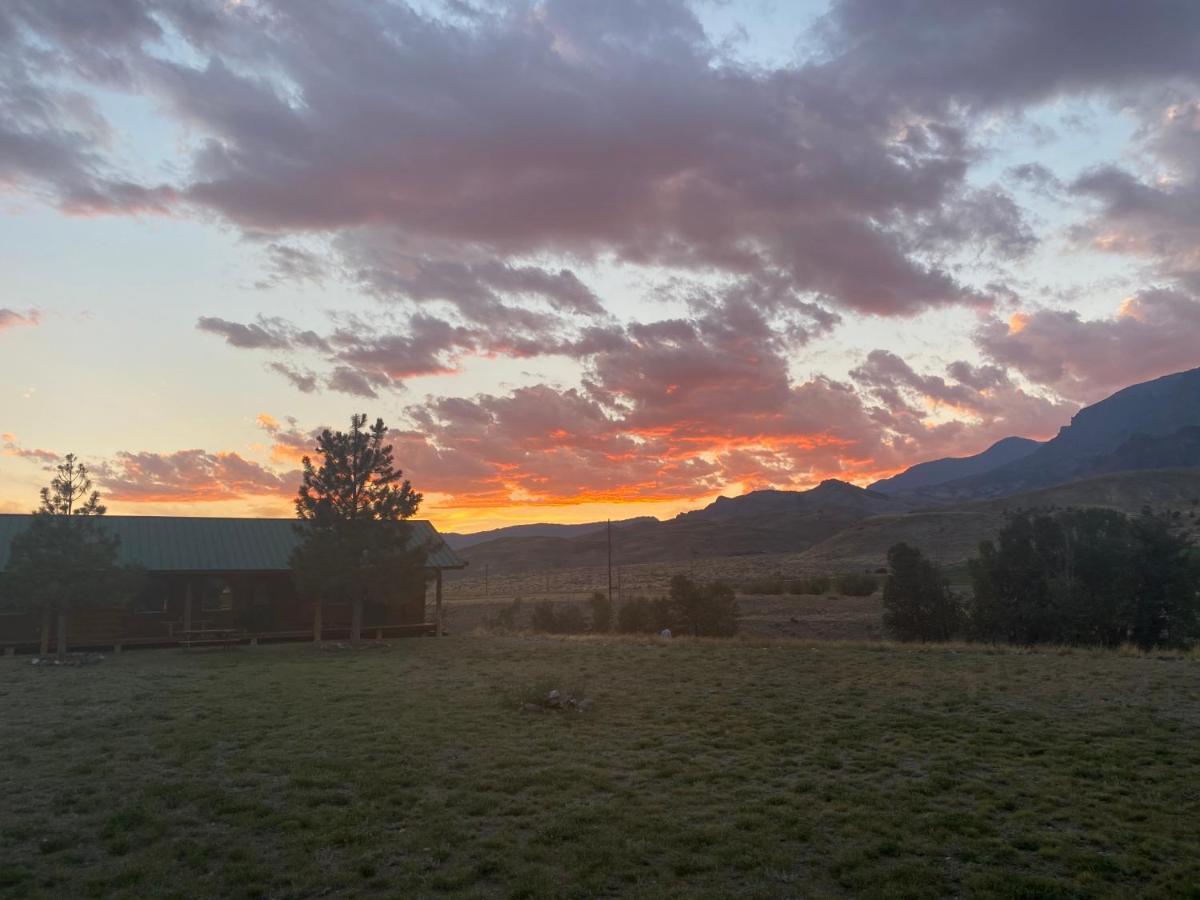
(224, 580)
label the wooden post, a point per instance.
(437, 605)
(187, 606)
(317, 619)
(356, 617)
(116, 648)
(47, 623)
(62, 633)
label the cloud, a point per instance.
(1158, 222)
(931, 416)
(288, 264)
(1006, 53)
(481, 173)
(262, 334)
(350, 381)
(529, 130)
(302, 380)
(193, 476)
(10, 318)
(10, 447)
(1152, 334)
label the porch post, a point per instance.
(437, 613)
(47, 624)
(187, 604)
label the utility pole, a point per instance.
(610, 594)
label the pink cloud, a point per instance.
(189, 476)
(10, 318)
(1152, 334)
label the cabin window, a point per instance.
(217, 596)
(151, 603)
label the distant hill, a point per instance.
(1143, 451)
(829, 496)
(1133, 427)
(458, 541)
(939, 471)
(953, 534)
(758, 522)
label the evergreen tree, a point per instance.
(1165, 597)
(918, 604)
(354, 505)
(1086, 576)
(66, 559)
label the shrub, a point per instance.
(917, 602)
(817, 584)
(570, 620)
(764, 586)
(508, 616)
(601, 613)
(641, 615)
(854, 584)
(544, 619)
(704, 609)
(550, 618)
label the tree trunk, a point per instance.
(62, 634)
(47, 624)
(317, 623)
(356, 616)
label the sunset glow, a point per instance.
(584, 265)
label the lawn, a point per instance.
(698, 769)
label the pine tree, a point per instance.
(67, 558)
(354, 506)
(917, 603)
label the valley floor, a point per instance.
(699, 769)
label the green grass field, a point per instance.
(699, 770)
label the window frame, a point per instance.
(139, 608)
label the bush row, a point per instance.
(703, 609)
(850, 584)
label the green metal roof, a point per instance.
(196, 544)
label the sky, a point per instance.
(586, 260)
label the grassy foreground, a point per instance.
(700, 769)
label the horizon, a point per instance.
(587, 262)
